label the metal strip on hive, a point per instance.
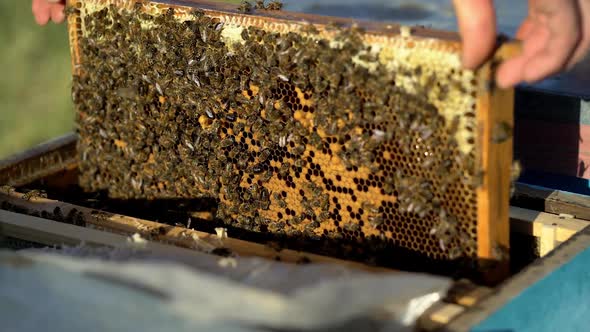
(416, 156)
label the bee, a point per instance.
(242, 163)
(454, 126)
(284, 169)
(281, 202)
(209, 113)
(376, 221)
(274, 5)
(299, 150)
(315, 140)
(7, 189)
(239, 127)
(428, 162)
(34, 194)
(257, 125)
(196, 80)
(159, 89)
(264, 155)
(300, 163)
(231, 117)
(266, 176)
(276, 227)
(323, 216)
(352, 227)
(303, 260)
(454, 252)
(515, 170)
(310, 29)
(245, 7)
(273, 114)
(283, 78)
(477, 179)
(223, 252)
(260, 4)
(324, 201)
(500, 253)
(257, 169)
(501, 132)
(264, 197)
(75, 218)
(57, 214)
(296, 220)
(227, 142)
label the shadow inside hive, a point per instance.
(176, 212)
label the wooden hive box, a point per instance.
(553, 285)
(548, 247)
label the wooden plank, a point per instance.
(43, 160)
(438, 316)
(466, 293)
(523, 221)
(182, 237)
(552, 201)
(445, 313)
(548, 239)
(534, 223)
(471, 298)
(51, 233)
(494, 108)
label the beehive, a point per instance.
(298, 125)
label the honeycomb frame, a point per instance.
(415, 47)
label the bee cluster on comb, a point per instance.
(315, 132)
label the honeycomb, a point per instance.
(315, 131)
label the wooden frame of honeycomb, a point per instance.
(429, 174)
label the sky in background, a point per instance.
(437, 14)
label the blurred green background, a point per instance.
(35, 79)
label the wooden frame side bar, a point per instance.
(495, 108)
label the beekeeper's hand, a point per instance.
(555, 36)
(45, 10)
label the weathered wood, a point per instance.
(50, 233)
(552, 201)
(523, 221)
(41, 161)
(473, 296)
(542, 224)
(445, 312)
(53, 233)
(182, 237)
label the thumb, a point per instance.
(477, 26)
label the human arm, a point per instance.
(555, 36)
(45, 10)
